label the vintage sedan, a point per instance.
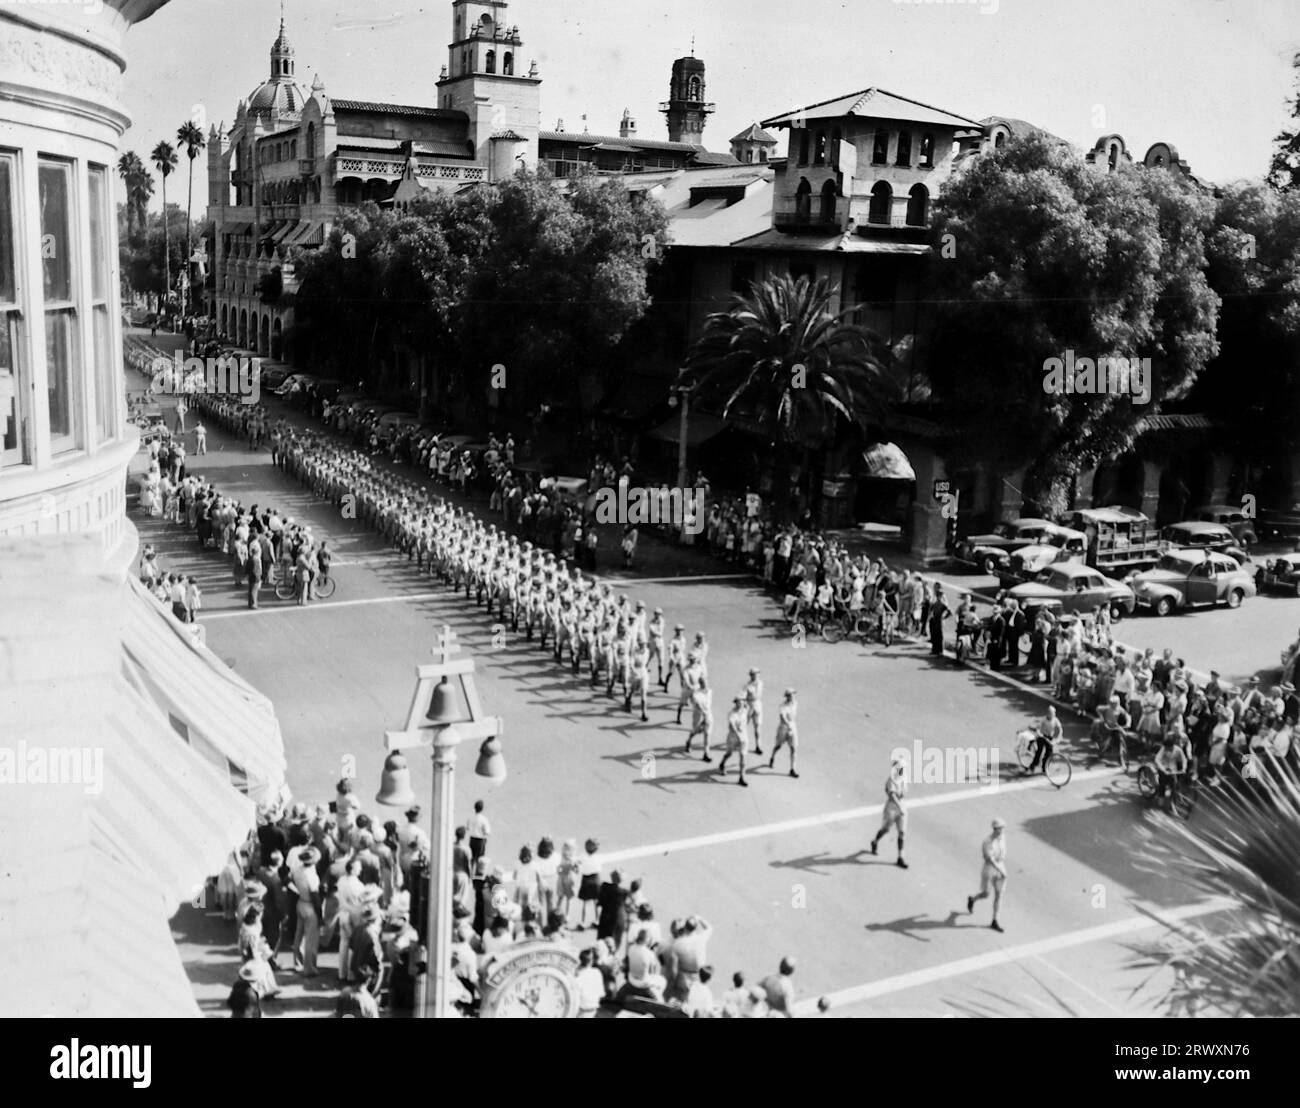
(1059, 544)
(1234, 518)
(1281, 574)
(988, 552)
(1192, 579)
(1202, 535)
(1078, 588)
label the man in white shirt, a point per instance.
(699, 1000)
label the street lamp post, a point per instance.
(681, 397)
(442, 730)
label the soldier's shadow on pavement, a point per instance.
(908, 926)
(812, 863)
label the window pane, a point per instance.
(13, 446)
(60, 352)
(98, 232)
(56, 241)
(106, 382)
(7, 292)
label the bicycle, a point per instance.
(325, 585)
(1121, 737)
(1180, 800)
(1056, 767)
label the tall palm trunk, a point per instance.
(187, 303)
(167, 250)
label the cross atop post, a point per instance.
(447, 645)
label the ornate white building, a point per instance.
(279, 176)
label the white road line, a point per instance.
(719, 838)
(1078, 984)
(992, 958)
(317, 605)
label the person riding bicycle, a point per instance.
(825, 601)
(800, 600)
(1109, 726)
(1171, 768)
(1047, 733)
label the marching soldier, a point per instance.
(787, 733)
(655, 642)
(640, 679)
(737, 724)
(754, 705)
(691, 678)
(676, 657)
(701, 717)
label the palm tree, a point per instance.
(1240, 849)
(191, 138)
(138, 187)
(782, 356)
(164, 159)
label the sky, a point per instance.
(1211, 77)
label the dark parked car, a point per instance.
(1190, 579)
(1201, 535)
(1079, 589)
(1233, 518)
(1281, 574)
(988, 552)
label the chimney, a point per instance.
(627, 129)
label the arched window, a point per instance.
(880, 149)
(805, 139)
(882, 200)
(311, 141)
(820, 157)
(927, 151)
(828, 202)
(918, 202)
(803, 201)
(999, 140)
(904, 155)
(695, 90)
(508, 64)
(1113, 160)
(490, 62)
(749, 155)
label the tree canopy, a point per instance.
(1039, 256)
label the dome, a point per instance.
(283, 97)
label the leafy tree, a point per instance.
(163, 157)
(1284, 169)
(1254, 384)
(1052, 256)
(561, 278)
(781, 355)
(192, 141)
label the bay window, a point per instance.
(106, 383)
(14, 446)
(57, 269)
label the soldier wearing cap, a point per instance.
(691, 677)
(787, 731)
(655, 642)
(993, 874)
(676, 656)
(701, 717)
(737, 724)
(754, 706)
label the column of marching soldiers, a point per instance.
(580, 622)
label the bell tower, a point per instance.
(685, 107)
(485, 77)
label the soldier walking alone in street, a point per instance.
(993, 875)
(894, 815)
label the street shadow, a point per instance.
(910, 926)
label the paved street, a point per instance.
(778, 868)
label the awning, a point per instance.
(308, 232)
(85, 936)
(224, 719)
(700, 428)
(290, 225)
(235, 227)
(885, 461)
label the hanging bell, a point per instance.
(442, 705)
(491, 762)
(395, 785)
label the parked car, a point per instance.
(1280, 524)
(273, 376)
(1281, 574)
(1201, 535)
(1061, 544)
(988, 551)
(1233, 518)
(1192, 579)
(294, 383)
(326, 388)
(1078, 588)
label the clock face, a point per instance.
(542, 993)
